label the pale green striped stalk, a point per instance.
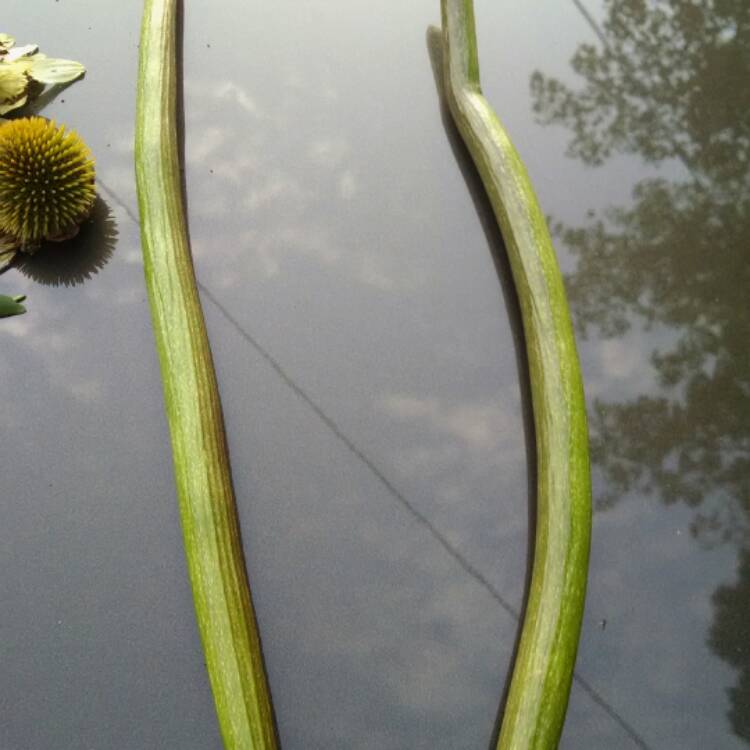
(543, 670)
(209, 518)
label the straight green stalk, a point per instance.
(543, 670)
(223, 606)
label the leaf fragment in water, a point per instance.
(54, 70)
(11, 305)
(18, 52)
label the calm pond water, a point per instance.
(369, 355)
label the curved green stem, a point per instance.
(543, 670)
(207, 506)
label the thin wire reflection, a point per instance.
(392, 490)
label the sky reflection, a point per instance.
(366, 348)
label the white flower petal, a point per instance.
(17, 52)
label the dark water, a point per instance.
(367, 348)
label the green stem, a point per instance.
(207, 506)
(543, 669)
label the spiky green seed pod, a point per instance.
(46, 181)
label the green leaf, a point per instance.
(11, 306)
(53, 70)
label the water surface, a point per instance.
(369, 356)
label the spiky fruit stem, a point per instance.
(207, 505)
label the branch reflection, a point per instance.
(669, 84)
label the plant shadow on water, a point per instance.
(668, 84)
(42, 97)
(74, 261)
(496, 246)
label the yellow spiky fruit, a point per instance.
(46, 181)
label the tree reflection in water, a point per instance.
(669, 82)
